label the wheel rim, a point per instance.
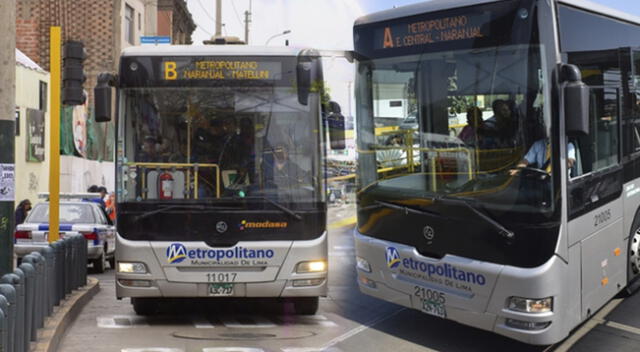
(634, 256)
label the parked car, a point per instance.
(76, 217)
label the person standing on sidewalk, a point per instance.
(22, 210)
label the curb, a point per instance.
(56, 325)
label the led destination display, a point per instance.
(427, 31)
(220, 69)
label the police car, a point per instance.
(77, 216)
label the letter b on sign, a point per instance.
(170, 72)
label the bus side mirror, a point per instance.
(576, 101)
(303, 77)
(102, 97)
(335, 121)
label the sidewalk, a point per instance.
(55, 326)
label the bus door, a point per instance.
(594, 201)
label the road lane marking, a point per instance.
(359, 329)
(342, 223)
(589, 325)
(200, 322)
(624, 327)
(258, 322)
(119, 321)
(232, 349)
(152, 349)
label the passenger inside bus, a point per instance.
(500, 130)
(469, 134)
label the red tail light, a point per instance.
(90, 235)
(22, 234)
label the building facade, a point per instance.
(174, 20)
(32, 133)
(105, 27)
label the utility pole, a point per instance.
(218, 19)
(7, 131)
(247, 20)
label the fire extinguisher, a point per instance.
(165, 186)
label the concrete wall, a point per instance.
(77, 174)
(31, 177)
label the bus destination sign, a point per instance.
(220, 69)
(413, 33)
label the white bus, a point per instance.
(531, 224)
(219, 181)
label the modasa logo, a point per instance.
(176, 253)
(246, 225)
(393, 257)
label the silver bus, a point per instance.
(522, 220)
(219, 173)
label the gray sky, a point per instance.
(322, 24)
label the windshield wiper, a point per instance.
(509, 235)
(405, 209)
(180, 206)
(275, 204)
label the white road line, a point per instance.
(152, 349)
(589, 325)
(260, 322)
(624, 327)
(358, 330)
(119, 321)
(200, 322)
(232, 349)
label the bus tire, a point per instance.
(100, 264)
(306, 305)
(633, 257)
(144, 306)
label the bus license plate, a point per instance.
(221, 289)
(434, 308)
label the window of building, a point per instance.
(43, 96)
(129, 28)
(139, 22)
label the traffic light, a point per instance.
(73, 73)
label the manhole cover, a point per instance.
(289, 334)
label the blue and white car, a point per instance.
(77, 217)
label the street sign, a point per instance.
(155, 40)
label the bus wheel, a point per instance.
(144, 306)
(634, 255)
(306, 305)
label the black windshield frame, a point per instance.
(497, 250)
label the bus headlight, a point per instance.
(132, 268)
(528, 305)
(363, 265)
(315, 266)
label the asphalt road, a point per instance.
(347, 321)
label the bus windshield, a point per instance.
(457, 118)
(207, 145)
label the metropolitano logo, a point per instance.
(393, 257)
(176, 253)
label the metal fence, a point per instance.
(40, 282)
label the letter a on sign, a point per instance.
(388, 39)
(170, 72)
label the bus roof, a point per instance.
(438, 5)
(208, 50)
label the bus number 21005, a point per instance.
(221, 277)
